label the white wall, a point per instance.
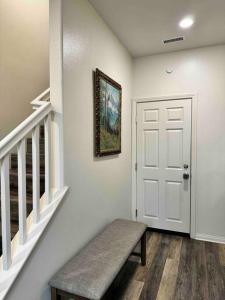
(100, 189)
(23, 58)
(200, 71)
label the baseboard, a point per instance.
(210, 238)
(151, 229)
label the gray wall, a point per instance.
(100, 189)
(200, 71)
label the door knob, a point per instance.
(186, 176)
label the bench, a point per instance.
(89, 274)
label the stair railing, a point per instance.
(37, 102)
(17, 139)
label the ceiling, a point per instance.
(141, 25)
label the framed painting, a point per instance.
(108, 97)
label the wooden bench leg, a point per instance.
(62, 295)
(143, 249)
(54, 295)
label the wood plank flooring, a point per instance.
(178, 268)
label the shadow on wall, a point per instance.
(24, 61)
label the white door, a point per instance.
(163, 157)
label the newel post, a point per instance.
(56, 92)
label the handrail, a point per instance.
(12, 139)
(16, 251)
(45, 96)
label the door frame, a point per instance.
(193, 169)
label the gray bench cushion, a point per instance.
(90, 273)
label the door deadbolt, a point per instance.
(186, 176)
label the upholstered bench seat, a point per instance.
(90, 273)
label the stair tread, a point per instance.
(14, 198)
(14, 172)
(14, 183)
(14, 227)
(14, 155)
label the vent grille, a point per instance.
(173, 40)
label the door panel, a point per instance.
(151, 191)
(173, 199)
(151, 115)
(174, 148)
(175, 114)
(151, 140)
(163, 147)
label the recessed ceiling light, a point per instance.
(186, 22)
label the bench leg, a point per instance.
(54, 295)
(143, 249)
(62, 295)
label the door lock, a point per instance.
(186, 176)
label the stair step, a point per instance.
(13, 172)
(14, 228)
(14, 182)
(14, 198)
(14, 206)
(14, 161)
(14, 209)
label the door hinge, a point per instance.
(136, 119)
(136, 166)
(136, 213)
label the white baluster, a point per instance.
(22, 190)
(47, 158)
(36, 174)
(5, 213)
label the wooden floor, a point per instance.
(178, 268)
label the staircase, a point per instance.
(31, 186)
(14, 207)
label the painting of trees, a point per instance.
(109, 115)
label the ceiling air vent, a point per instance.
(174, 40)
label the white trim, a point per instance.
(5, 214)
(36, 173)
(56, 88)
(194, 102)
(47, 128)
(37, 102)
(34, 234)
(210, 238)
(134, 159)
(20, 132)
(193, 165)
(22, 197)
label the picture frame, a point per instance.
(108, 104)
